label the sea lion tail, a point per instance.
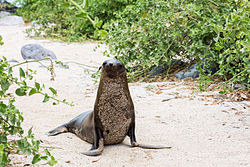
(57, 131)
(135, 144)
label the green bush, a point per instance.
(65, 20)
(231, 44)
(12, 137)
(153, 32)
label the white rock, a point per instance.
(11, 21)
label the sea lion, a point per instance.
(113, 117)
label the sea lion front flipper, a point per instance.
(57, 131)
(95, 152)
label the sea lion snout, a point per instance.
(110, 64)
(113, 68)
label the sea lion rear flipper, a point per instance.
(96, 152)
(71, 126)
(135, 144)
(131, 134)
(57, 131)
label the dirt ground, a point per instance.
(202, 133)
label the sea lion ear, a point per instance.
(99, 68)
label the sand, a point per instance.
(201, 133)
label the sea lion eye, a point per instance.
(104, 63)
(120, 65)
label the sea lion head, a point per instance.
(113, 68)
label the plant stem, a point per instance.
(31, 61)
(79, 7)
(67, 62)
(235, 76)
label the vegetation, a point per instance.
(1, 42)
(12, 137)
(142, 34)
(148, 33)
(154, 32)
(70, 20)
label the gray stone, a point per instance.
(191, 72)
(11, 21)
(12, 2)
(4, 13)
(157, 70)
(12, 61)
(160, 69)
(8, 7)
(36, 52)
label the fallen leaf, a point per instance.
(239, 113)
(224, 111)
(243, 96)
(158, 92)
(165, 100)
(96, 160)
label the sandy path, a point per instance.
(201, 134)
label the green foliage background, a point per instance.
(148, 33)
(154, 32)
(62, 19)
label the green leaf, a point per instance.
(5, 86)
(85, 4)
(36, 159)
(47, 152)
(21, 73)
(96, 33)
(44, 157)
(20, 92)
(53, 90)
(32, 91)
(46, 98)
(52, 162)
(30, 135)
(81, 15)
(98, 24)
(103, 34)
(3, 139)
(65, 5)
(1, 148)
(37, 85)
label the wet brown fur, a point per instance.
(113, 117)
(114, 108)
